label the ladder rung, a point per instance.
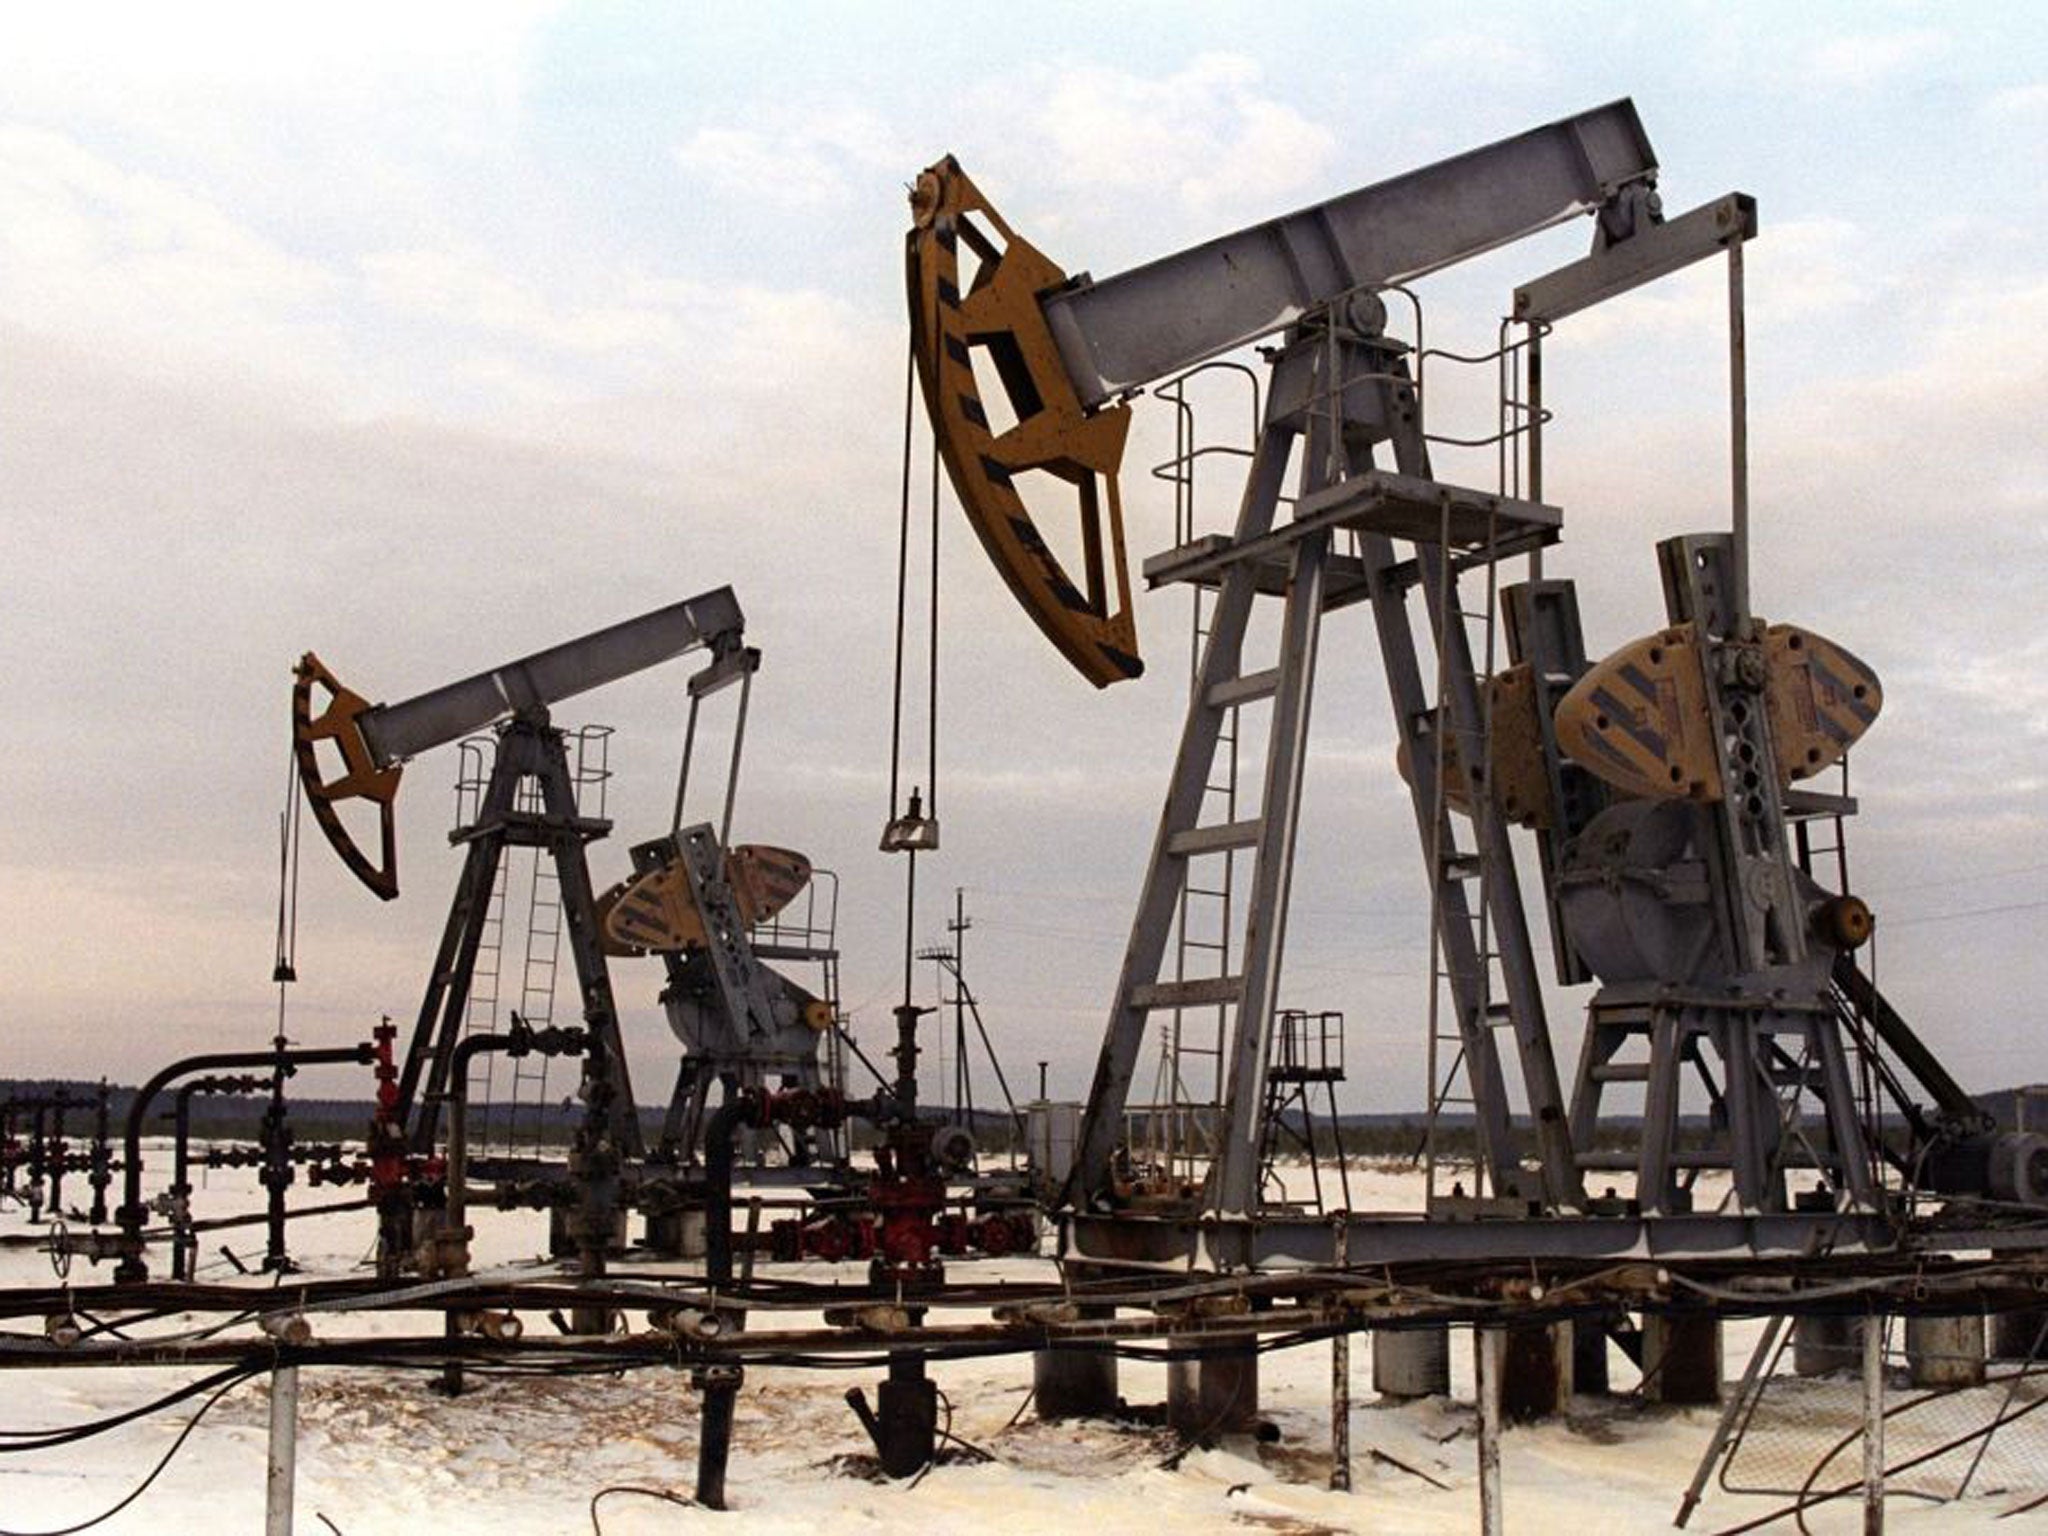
(1462, 866)
(1620, 1072)
(1188, 994)
(1808, 1080)
(1216, 839)
(1239, 690)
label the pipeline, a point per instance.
(53, 1153)
(520, 1041)
(718, 1164)
(184, 1238)
(102, 1173)
(134, 1265)
(719, 1384)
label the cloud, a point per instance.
(1795, 273)
(823, 160)
(526, 430)
(466, 288)
(1474, 55)
(1208, 132)
(120, 258)
(1861, 61)
(2019, 103)
(147, 65)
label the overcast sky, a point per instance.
(425, 336)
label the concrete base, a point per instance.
(1825, 1344)
(1536, 1372)
(1589, 1356)
(1073, 1383)
(1681, 1359)
(2019, 1335)
(1215, 1395)
(675, 1234)
(1412, 1362)
(562, 1243)
(1945, 1351)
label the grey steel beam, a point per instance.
(396, 732)
(1653, 251)
(1410, 507)
(1861, 992)
(1543, 631)
(1138, 989)
(1760, 901)
(1118, 334)
(1558, 1172)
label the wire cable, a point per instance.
(154, 1472)
(71, 1434)
(680, 1500)
(902, 584)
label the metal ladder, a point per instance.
(480, 1012)
(1481, 957)
(536, 1003)
(1474, 1008)
(1221, 684)
(1344, 390)
(589, 779)
(1308, 1050)
(1178, 1128)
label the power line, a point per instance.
(1950, 917)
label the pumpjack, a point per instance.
(691, 900)
(1664, 786)
(753, 1067)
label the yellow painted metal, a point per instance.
(1521, 786)
(1051, 438)
(340, 721)
(653, 911)
(1639, 719)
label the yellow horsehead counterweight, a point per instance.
(1090, 621)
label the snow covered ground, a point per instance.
(380, 1452)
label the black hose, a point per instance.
(718, 1165)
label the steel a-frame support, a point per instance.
(1319, 400)
(1471, 951)
(528, 748)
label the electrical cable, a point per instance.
(931, 780)
(945, 1432)
(1030, 1397)
(154, 1472)
(681, 1500)
(902, 583)
(71, 1434)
